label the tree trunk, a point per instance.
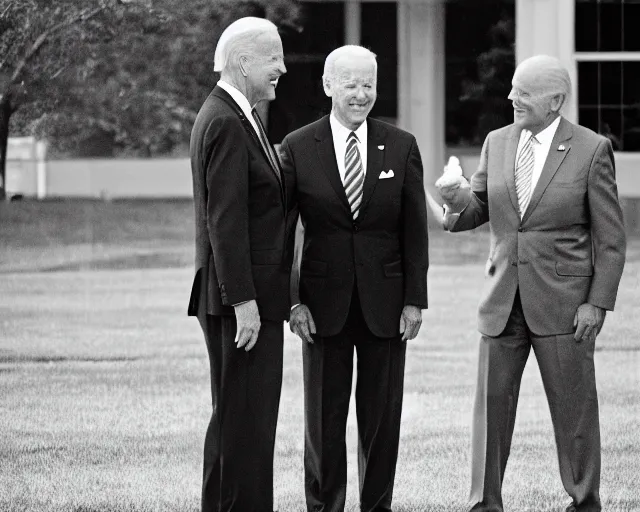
(5, 115)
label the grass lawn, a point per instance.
(104, 391)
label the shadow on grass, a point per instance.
(8, 357)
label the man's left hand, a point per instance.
(410, 322)
(588, 321)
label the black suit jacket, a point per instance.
(385, 250)
(240, 216)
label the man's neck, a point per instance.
(546, 125)
(231, 80)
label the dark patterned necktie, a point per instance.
(354, 174)
(264, 141)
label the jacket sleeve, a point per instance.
(227, 176)
(477, 211)
(607, 228)
(415, 234)
(295, 228)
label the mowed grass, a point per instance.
(104, 382)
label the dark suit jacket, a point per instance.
(240, 216)
(385, 250)
(568, 249)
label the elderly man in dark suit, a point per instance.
(547, 188)
(241, 287)
(357, 183)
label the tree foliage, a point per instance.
(115, 77)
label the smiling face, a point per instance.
(264, 67)
(535, 106)
(352, 89)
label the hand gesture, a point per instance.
(248, 324)
(301, 323)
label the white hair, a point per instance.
(551, 70)
(350, 50)
(239, 36)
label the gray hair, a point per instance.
(554, 74)
(351, 50)
(239, 37)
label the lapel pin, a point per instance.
(561, 147)
(380, 148)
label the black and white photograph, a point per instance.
(319, 256)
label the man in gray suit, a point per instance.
(547, 188)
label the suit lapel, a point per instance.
(225, 96)
(375, 161)
(551, 165)
(327, 159)
(509, 165)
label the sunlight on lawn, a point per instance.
(105, 400)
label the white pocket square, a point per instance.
(385, 175)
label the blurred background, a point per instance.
(97, 99)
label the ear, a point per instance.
(243, 63)
(557, 101)
(326, 85)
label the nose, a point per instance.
(282, 68)
(360, 94)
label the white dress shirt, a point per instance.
(242, 102)
(541, 147)
(340, 135)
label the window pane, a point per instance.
(588, 83)
(611, 126)
(380, 18)
(586, 26)
(631, 134)
(632, 26)
(610, 83)
(631, 82)
(588, 116)
(610, 26)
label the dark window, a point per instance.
(379, 33)
(607, 25)
(480, 61)
(300, 98)
(609, 101)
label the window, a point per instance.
(607, 25)
(609, 101)
(607, 41)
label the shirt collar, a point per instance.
(341, 132)
(545, 137)
(238, 97)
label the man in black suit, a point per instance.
(241, 287)
(362, 281)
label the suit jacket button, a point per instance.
(520, 230)
(355, 227)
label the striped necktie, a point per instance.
(354, 174)
(523, 173)
(266, 145)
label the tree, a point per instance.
(113, 77)
(495, 70)
(27, 27)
